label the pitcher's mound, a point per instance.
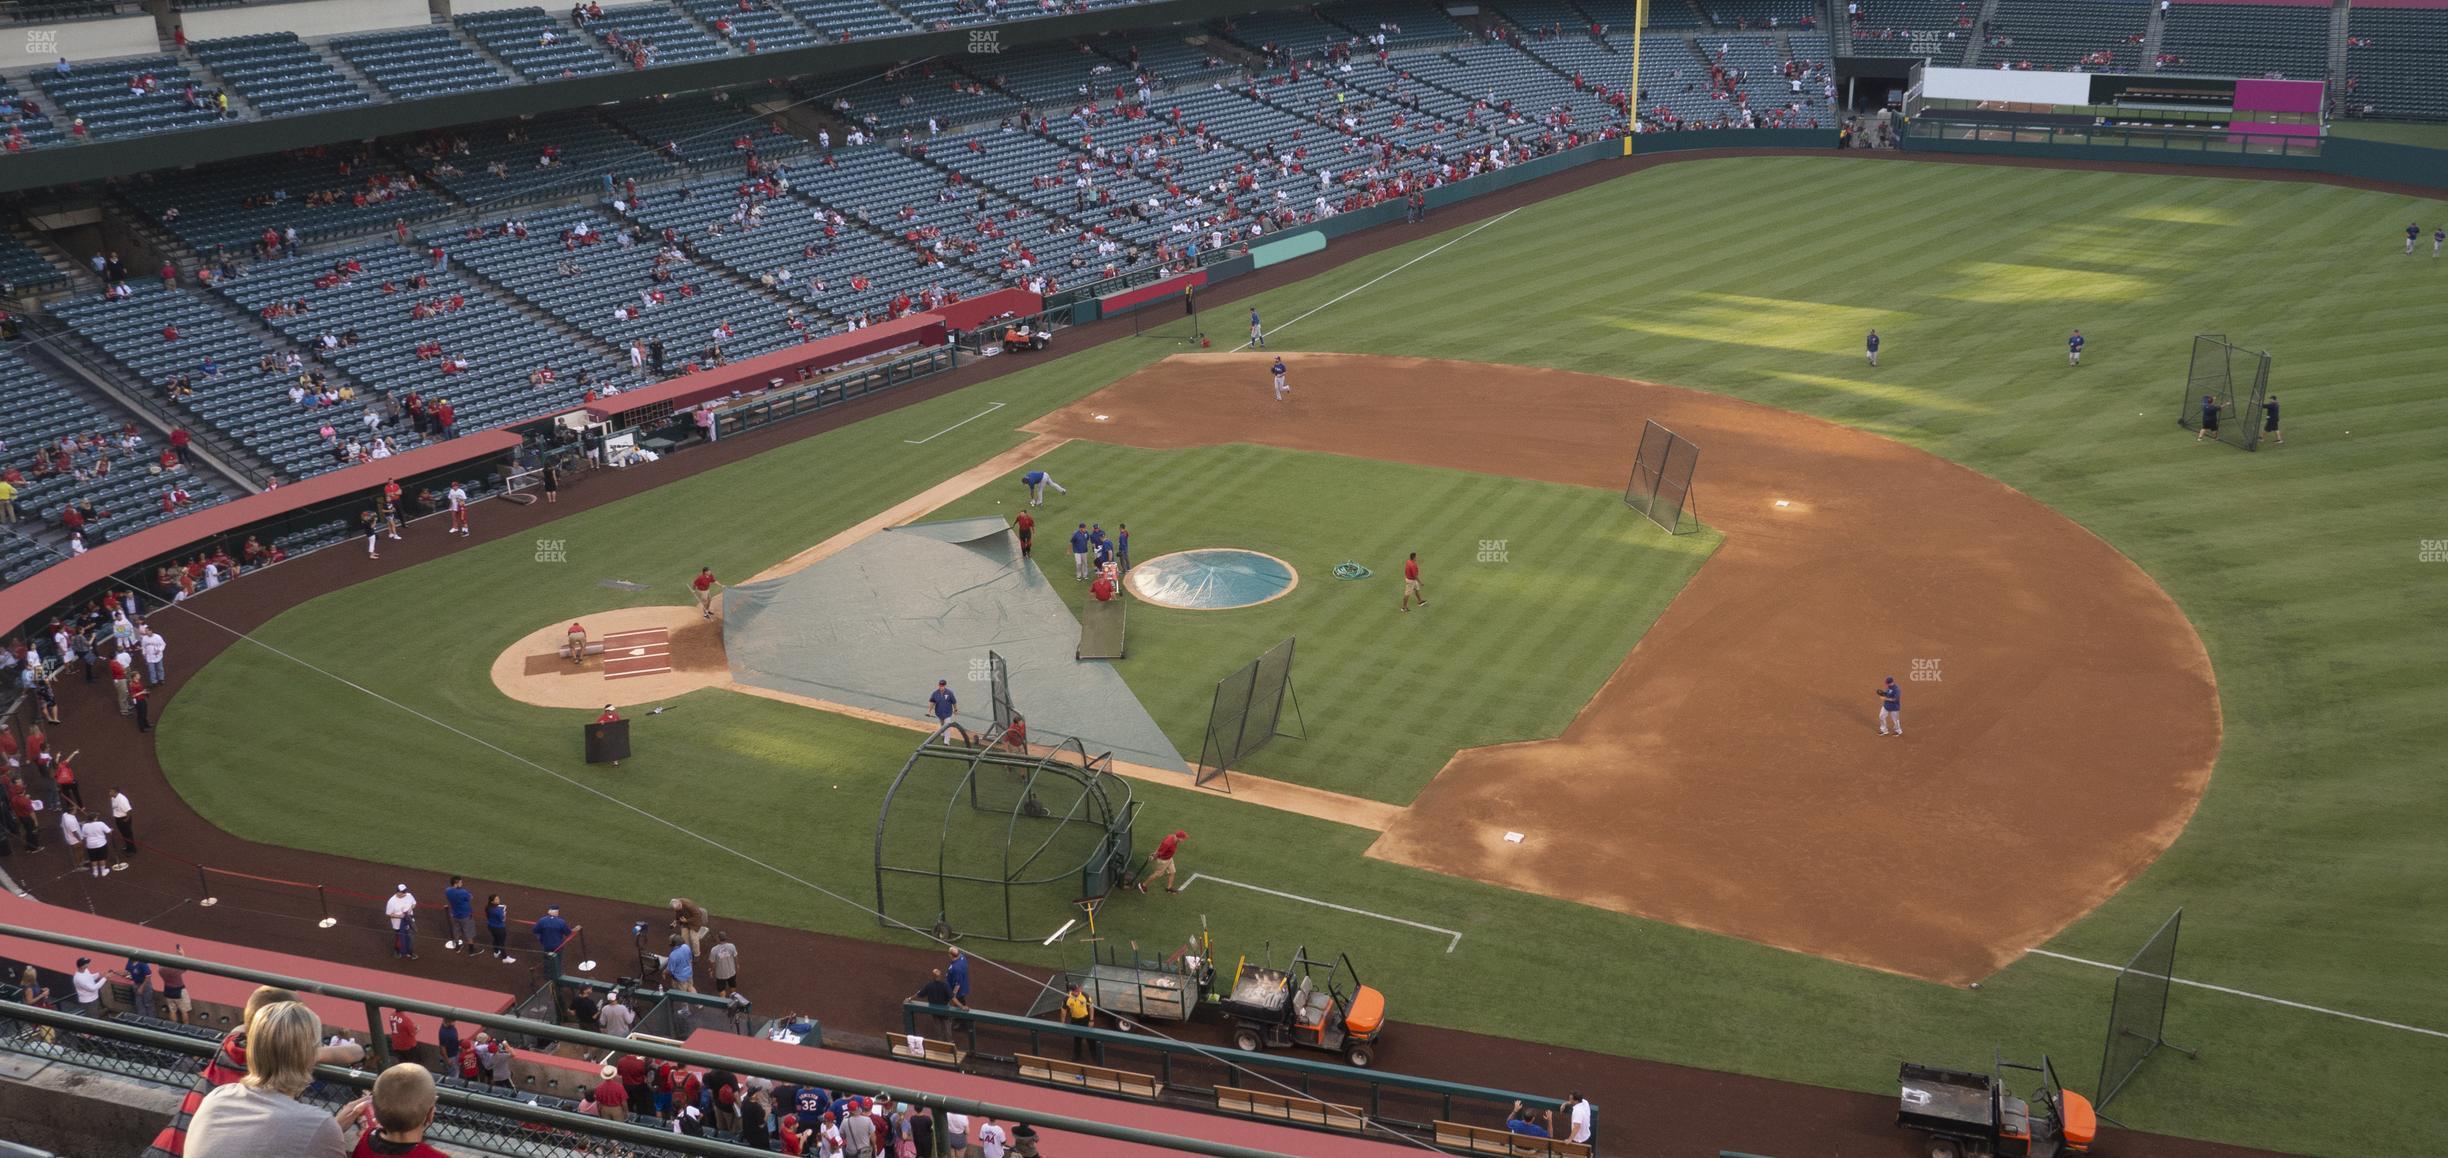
(532, 670)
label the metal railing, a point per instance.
(1176, 1064)
(146, 1054)
(376, 1002)
(791, 401)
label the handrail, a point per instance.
(941, 1103)
(364, 1080)
(1230, 1057)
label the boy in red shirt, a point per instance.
(403, 1106)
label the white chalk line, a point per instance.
(1450, 946)
(2253, 996)
(1381, 277)
(955, 426)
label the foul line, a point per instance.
(1449, 947)
(991, 408)
(2242, 993)
(1381, 277)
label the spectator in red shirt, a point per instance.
(403, 1106)
(1411, 583)
(611, 1096)
(402, 1031)
(179, 439)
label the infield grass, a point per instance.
(2312, 870)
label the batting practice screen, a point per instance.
(2137, 1014)
(2234, 381)
(999, 676)
(1662, 478)
(1248, 711)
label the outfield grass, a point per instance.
(2311, 871)
(1525, 641)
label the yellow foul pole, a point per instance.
(1640, 24)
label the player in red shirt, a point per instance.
(1161, 864)
(1411, 583)
(577, 643)
(1103, 588)
(704, 584)
(1028, 532)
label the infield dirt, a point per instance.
(2061, 713)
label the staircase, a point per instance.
(86, 370)
(2151, 39)
(1980, 33)
(2337, 45)
(339, 64)
(512, 298)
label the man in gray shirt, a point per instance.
(858, 1135)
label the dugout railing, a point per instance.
(1193, 1071)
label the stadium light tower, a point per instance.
(1640, 24)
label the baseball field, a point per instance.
(2158, 674)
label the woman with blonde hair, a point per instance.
(261, 1114)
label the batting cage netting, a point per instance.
(1662, 477)
(1169, 321)
(2225, 386)
(2137, 1013)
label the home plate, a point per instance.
(637, 653)
(1513, 838)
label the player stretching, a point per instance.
(1280, 388)
(2074, 349)
(1874, 347)
(1037, 481)
(458, 509)
(1257, 335)
(1891, 707)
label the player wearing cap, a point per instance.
(1161, 864)
(2209, 418)
(704, 584)
(2269, 420)
(1280, 388)
(1257, 334)
(1891, 707)
(2074, 347)
(458, 508)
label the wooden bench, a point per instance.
(1088, 1077)
(1282, 1108)
(929, 1050)
(1507, 1144)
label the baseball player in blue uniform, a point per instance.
(1037, 481)
(1891, 707)
(2269, 420)
(2439, 237)
(1257, 335)
(1280, 388)
(2209, 418)
(2413, 233)
(1079, 553)
(1873, 347)
(2074, 349)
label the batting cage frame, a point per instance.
(1247, 714)
(1661, 484)
(2137, 1011)
(2212, 373)
(968, 835)
(1160, 320)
